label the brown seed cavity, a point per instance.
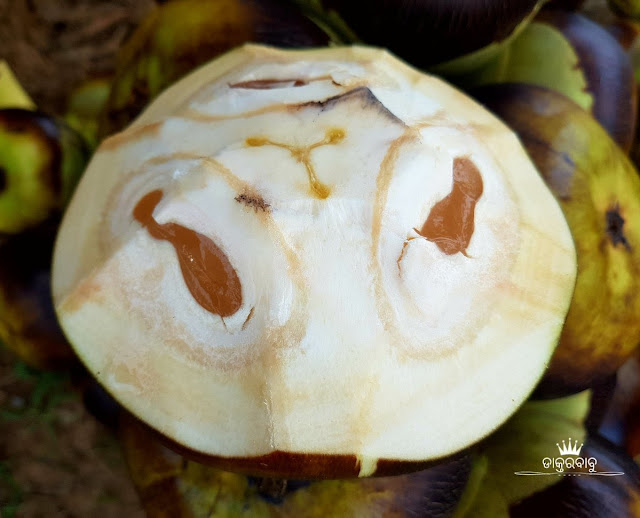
(207, 271)
(615, 227)
(451, 224)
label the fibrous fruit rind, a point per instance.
(323, 256)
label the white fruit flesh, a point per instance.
(314, 172)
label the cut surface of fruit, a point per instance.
(323, 256)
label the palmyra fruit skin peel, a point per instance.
(315, 264)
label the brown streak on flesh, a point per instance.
(191, 114)
(131, 135)
(401, 256)
(526, 295)
(267, 84)
(362, 94)
(249, 317)
(450, 224)
(197, 116)
(87, 290)
(256, 202)
(302, 154)
(383, 183)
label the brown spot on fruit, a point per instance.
(450, 224)
(3, 179)
(615, 225)
(207, 271)
(254, 201)
(268, 84)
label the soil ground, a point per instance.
(55, 459)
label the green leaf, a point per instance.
(540, 55)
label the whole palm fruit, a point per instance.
(599, 192)
(429, 32)
(41, 161)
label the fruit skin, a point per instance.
(608, 72)
(41, 161)
(599, 192)
(430, 32)
(170, 485)
(577, 57)
(85, 106)
(28, 324)
(180, 35)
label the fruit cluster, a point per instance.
(560, 74)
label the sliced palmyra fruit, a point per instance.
(314, 264)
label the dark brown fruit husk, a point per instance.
(429, 32)
(171, 485)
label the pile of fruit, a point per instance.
(507, 383)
